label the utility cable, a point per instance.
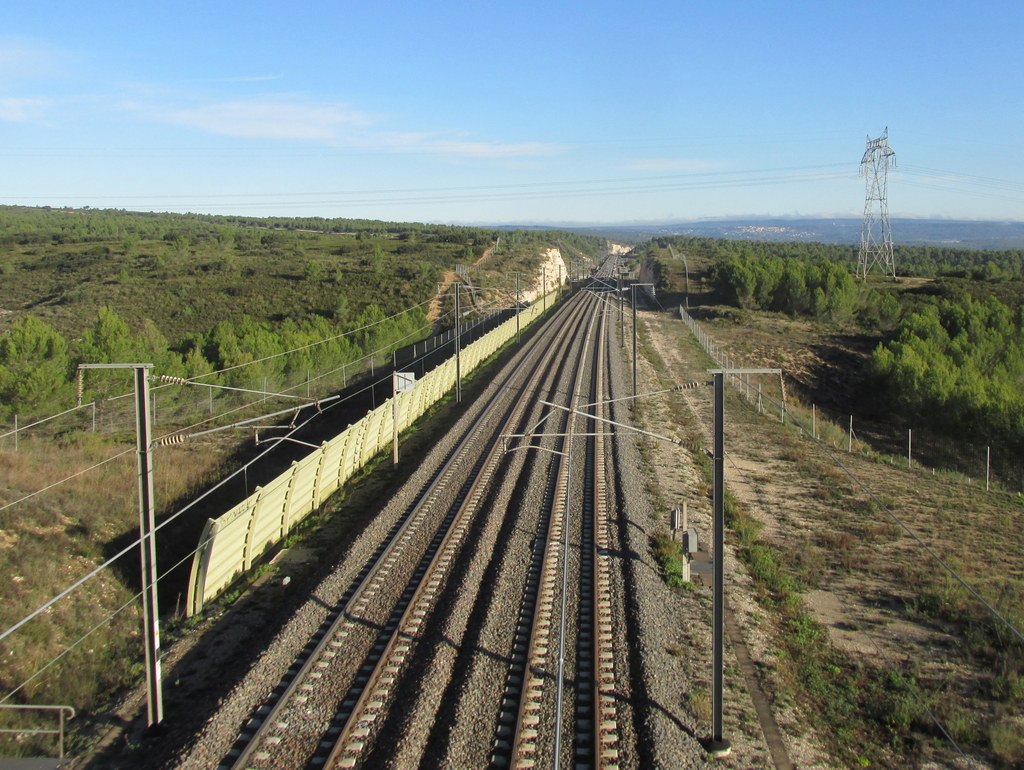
(65, 480)
(213, 417)
(165, 439)
(314, 344)
(96, 570)
(238, 366)
(57, 658)
(435, 192)
(109, 562)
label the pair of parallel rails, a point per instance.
(293, 729)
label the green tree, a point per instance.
(313, 270)
(791, 295)
(34, 369)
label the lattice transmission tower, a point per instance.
(876, 235)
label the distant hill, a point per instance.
(917, 232)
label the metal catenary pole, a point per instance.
(394, 417)
(632, 292)
(544, 287)
(519, 309)
(621, 299)
(147, 525)
(988, 466)
(147, 540)
(718, 745)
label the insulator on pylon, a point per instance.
(177, 438)
(173, 380)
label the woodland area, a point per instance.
(950, 332)
(194, 294)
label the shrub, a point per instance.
(1007, 740)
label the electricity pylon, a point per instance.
(876, 235)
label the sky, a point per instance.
(491, 112)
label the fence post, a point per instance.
(988, 465)
(814, 421)
(849, 446)
(782, 390)
(910, 443)
(15, 433)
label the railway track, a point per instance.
(598, 733)
(540, 670)
(328, 710)
(470, 621)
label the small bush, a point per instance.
(793, 453)
(748, 529)
(1007, 740)
(669, 555)
(700, 704)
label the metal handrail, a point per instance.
(59, 732)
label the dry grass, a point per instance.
(894, 596)
(53, 539)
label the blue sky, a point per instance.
(488, 112)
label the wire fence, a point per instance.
(986, 466)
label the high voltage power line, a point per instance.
(490, 193)
(974, 184)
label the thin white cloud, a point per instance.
(435, 144)
(671, 165)
(269, 118)
(491, 149)
(22, 109)
(238, 79)
(21, 60)
(287, 117)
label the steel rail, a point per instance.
(525, 747)
(266, 727)
(604, 732)
(355, 728)
(509, 721)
